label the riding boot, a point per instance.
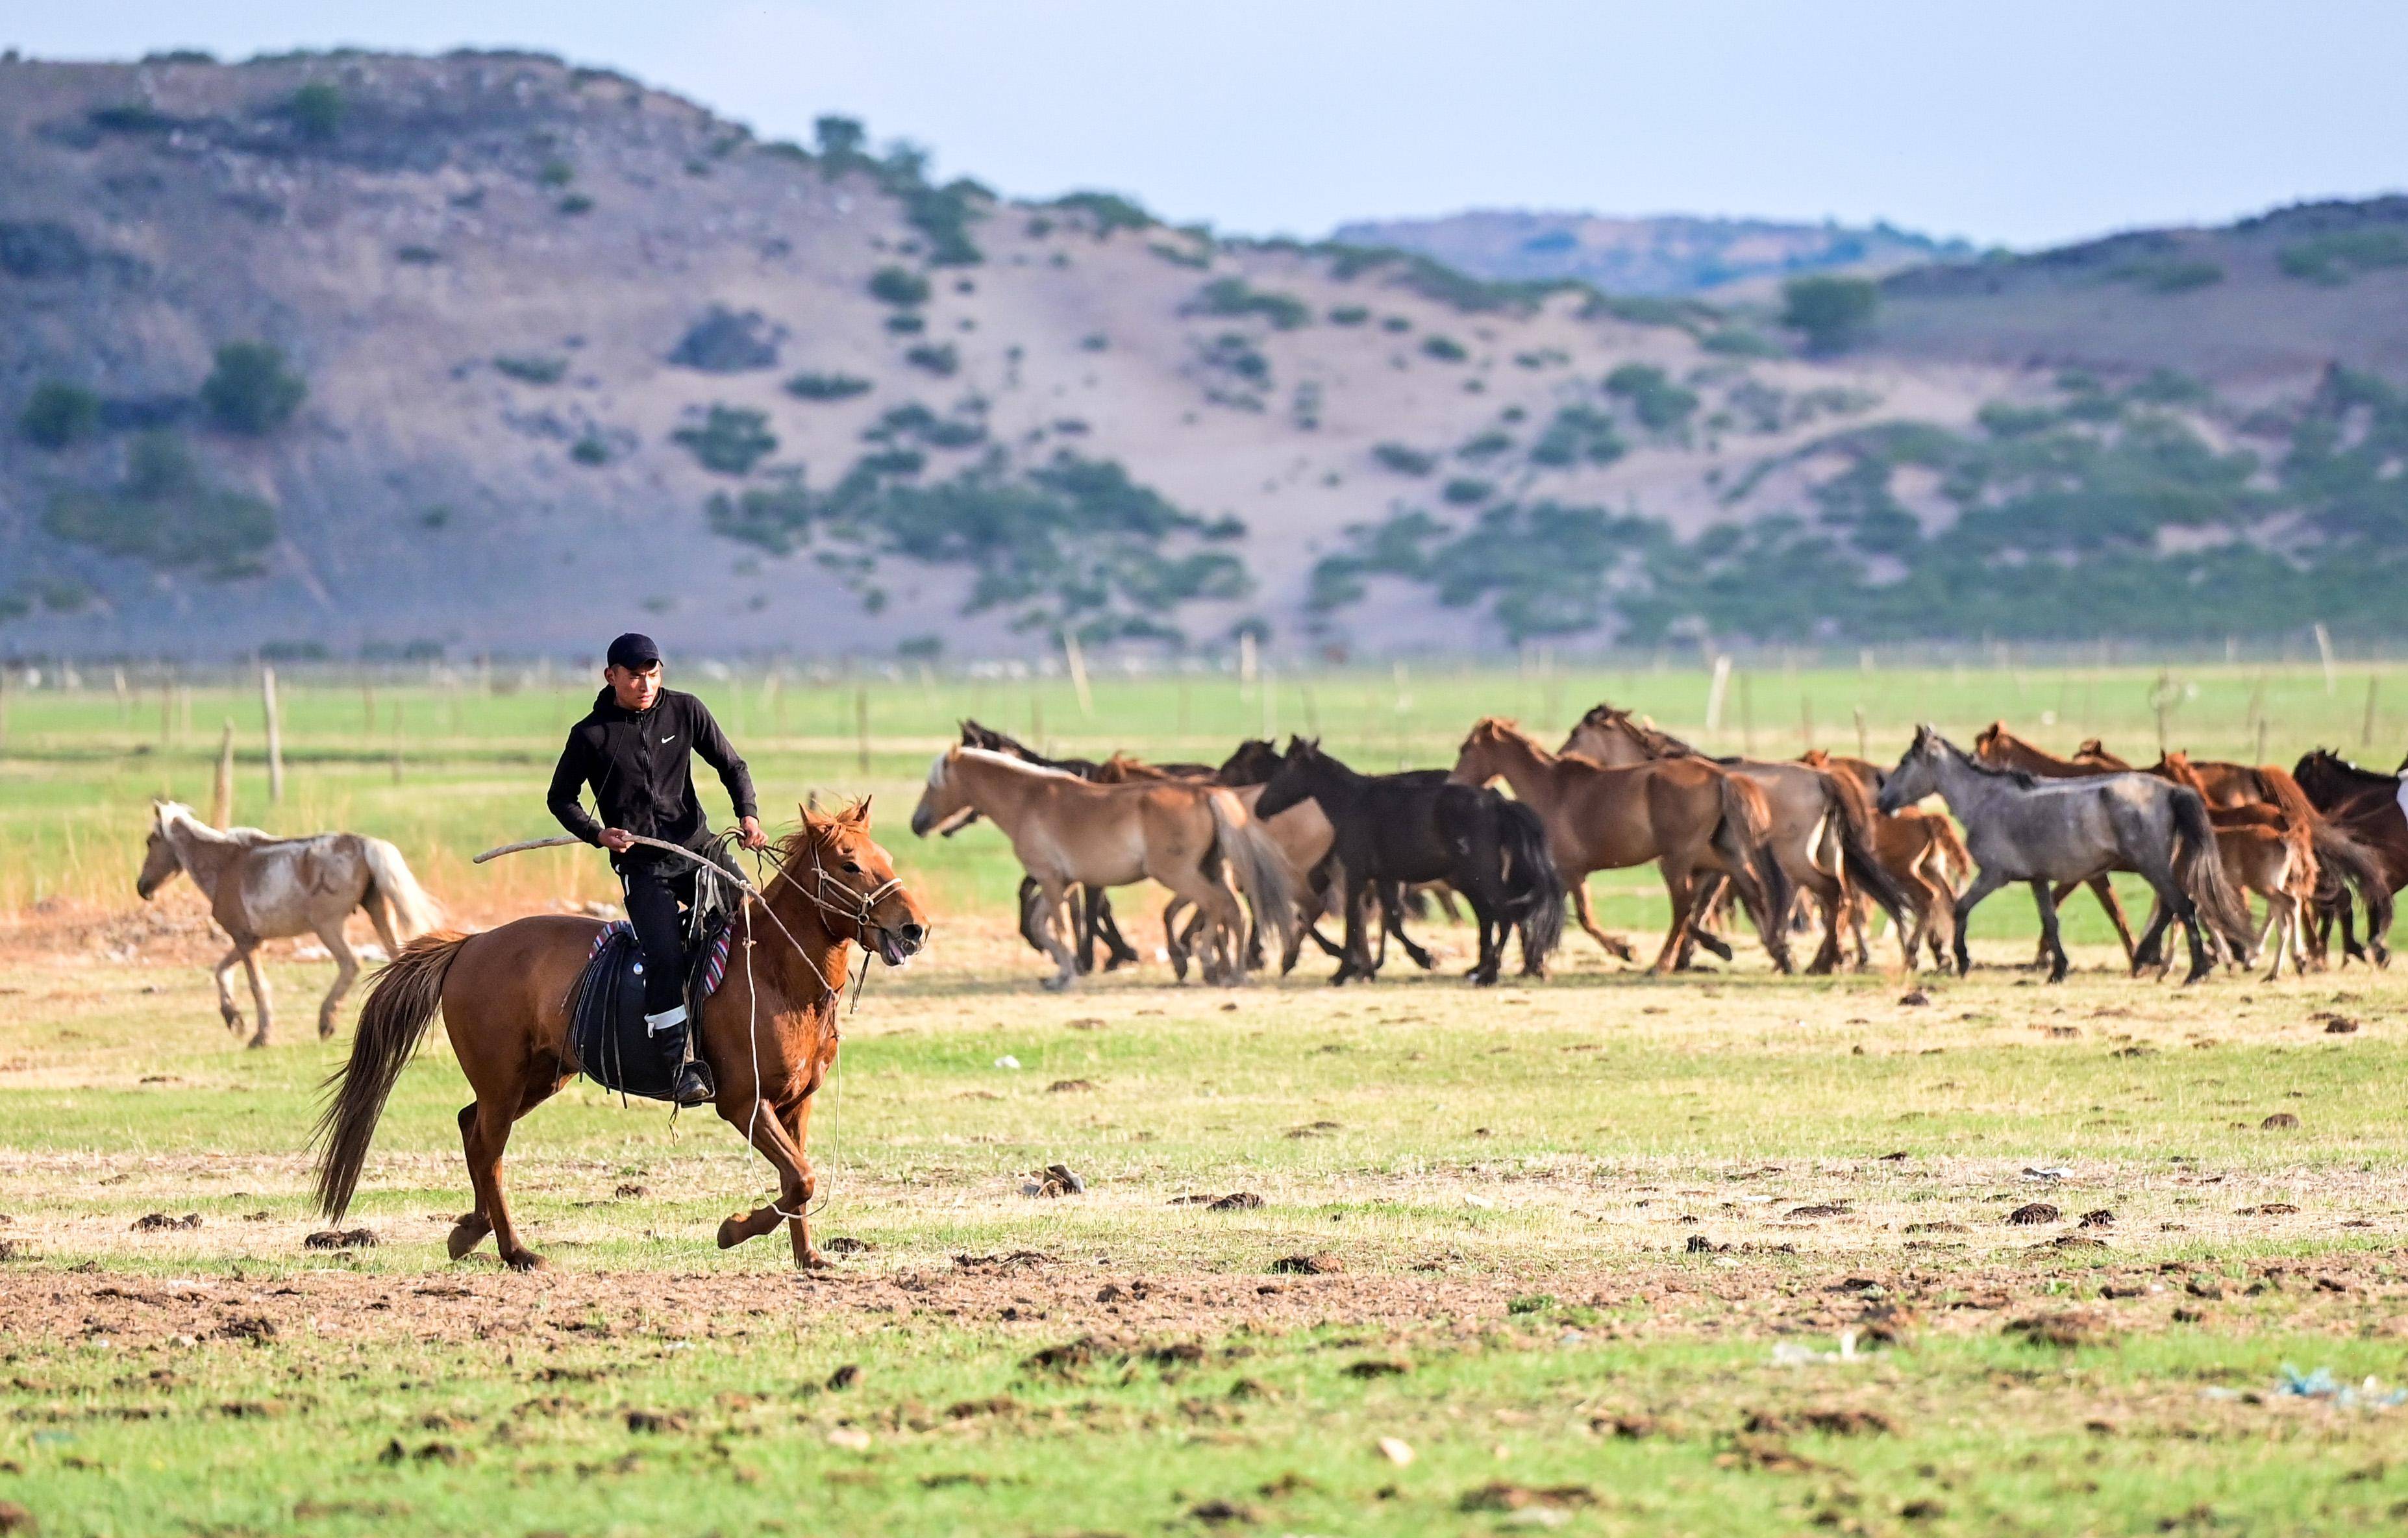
(694, 1085)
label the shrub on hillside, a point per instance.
(250, 390)
(1404, 460)
(900, 286)
(165, 512)
(59, 413)
(2334, 258)
(1236, 296)
(1659, 405)
(1578, 435)
(1109, 211)
(938, 358)
(1833, 313)
(730, 440)
(1464, 491)
(827, 386)
(724, 341)
(530, 368)
(316, 110)
(1444, 349)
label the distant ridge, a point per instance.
(1674, 254)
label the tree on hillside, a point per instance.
(251, 391)
(840, 137)
(1835, 313)
(59, 413)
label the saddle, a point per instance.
(608, 1036)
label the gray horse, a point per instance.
(263, 887)
(2020, 827)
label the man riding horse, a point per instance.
(635, 749)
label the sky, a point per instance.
(2023, 125)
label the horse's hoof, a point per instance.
(257, 1041)
(1054, 984)
(522, 1260)
(326, 1030)
(466, 1235)
(731, 1231)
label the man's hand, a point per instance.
(618, 841)
(749, 833)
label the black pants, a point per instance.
(656, 888)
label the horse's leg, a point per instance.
(1172, 938)
(1445, 893)
(1392, 923)
(1985, 882)
(484, 1133)
(2105, 889)
(757, 1119)
(1708, 891)
(1613, 947)
(259, 993)
(2054, 943)
(473, 1226)
(1118, 952)
(223, 975)
(1055, 895)
(797, 1120)
(1355, 955)
(1682, 893)
(347, 971)
(1830, 895)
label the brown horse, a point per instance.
(1821, 821)
(1687, 814)
(2266, 849)
(2002, 749)
(769, 1033)
(1921, 851)
(1069, 832)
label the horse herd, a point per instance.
(1297, 836)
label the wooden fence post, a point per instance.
(861, 723)
(221, 790)
(275, 738)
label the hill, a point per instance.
(366, 353)
(1674, 255)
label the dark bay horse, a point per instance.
(2022, 827)
(2371, 808)
(769, 1033)
(1413, 827)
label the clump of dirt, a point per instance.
(2280, 1121)
(1497, 1495)
(342, 1239)
(2034, 1211)
(160, 1222)
(2066, 1331)
(1319, 1263)
(1236, 1201)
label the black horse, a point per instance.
(1399, 829)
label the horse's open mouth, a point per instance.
(893, 949)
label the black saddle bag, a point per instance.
(607, 1033)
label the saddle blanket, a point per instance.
(607, 1033)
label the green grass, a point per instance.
(1510, 1181)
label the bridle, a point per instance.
(850, 904)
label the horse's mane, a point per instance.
(2343, 766)
(1654, 739)
(1003, 760)
(2023, 778)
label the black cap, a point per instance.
(633, 652)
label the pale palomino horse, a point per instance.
(263, 887)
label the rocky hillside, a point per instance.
(380, 355)
(1673, 256)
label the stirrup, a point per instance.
(694, 1085)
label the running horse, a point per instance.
(769, 1033)
(263, 887)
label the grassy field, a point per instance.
(1727, 1254)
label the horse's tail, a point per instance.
(1260, 864)
(2199, 868)
(1743, 838)
(1953, 853)
(1862, 862)
(2342, 858)
(413, 912)
(1536, 888)
(402, 1003)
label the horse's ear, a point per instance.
(859, 815)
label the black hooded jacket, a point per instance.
(638, 763)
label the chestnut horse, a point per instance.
(769, 1033)
(1689, 815)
